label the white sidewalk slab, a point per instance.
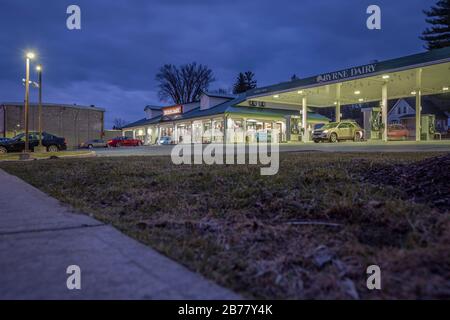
(40, 238)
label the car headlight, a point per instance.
(325, 131)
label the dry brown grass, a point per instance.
(254, 234)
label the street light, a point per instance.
(29, 56)
(39, 71)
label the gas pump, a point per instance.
(376, 124)
(427, 127)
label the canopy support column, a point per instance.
(305, 136)
(244, 127)
(418, 104)
(338, 102)
(384, 116)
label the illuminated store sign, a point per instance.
(349, 73)
(170, 111)
(253, 103)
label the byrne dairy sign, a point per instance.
(349, 73)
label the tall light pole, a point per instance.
(39, 71)
(29, 56)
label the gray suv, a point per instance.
(335, 131)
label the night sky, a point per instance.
(112, 61)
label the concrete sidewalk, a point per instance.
(40, 238)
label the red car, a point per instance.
(124, 141)
(397, 132)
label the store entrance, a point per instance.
(264, 131)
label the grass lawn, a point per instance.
(309, 232)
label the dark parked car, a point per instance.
(17, 144)
(124, 141)
(4, 139)
(94, 143)
(335, 131)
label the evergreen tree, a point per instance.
(438, 35)
(244, 82)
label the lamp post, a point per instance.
(39, 71)
(29, 56)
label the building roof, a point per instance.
(76, 106)
(227, 108)
(157, 108)
(143, 122)
(219, 95)
(216, 110)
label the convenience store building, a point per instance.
(289, 107)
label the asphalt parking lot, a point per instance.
(392, 146)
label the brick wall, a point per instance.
(75, 124)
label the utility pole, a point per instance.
(26, 154)
(40, 147)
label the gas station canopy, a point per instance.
(427, 72)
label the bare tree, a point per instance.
(119, 124)
(183, 84)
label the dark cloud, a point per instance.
(112, 61)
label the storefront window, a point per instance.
(218, 130)
(207, 127)
(197, 132)
(183, 133)
(265, 131)
(237, 134)
(279, 132)
(149, 137)
(166, 132)
(140, 134)
(252, 129)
